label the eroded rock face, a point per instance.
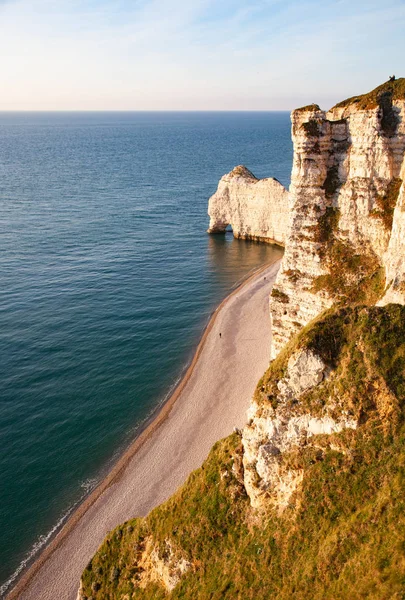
(255, 208)
(348, 176)
(394, 258)
(346, 163)
(274, 432)
(161, 565)
(305, 370)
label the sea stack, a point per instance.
(256, 209)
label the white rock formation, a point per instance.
(305, 369)
(345, 161)
(348, 175)
(255, 208)
(161, 565)
(394, 258)
(267, 439)
(271, 433)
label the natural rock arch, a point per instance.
(254, 208)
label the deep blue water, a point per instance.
(107, 281)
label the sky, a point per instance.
(195, 54)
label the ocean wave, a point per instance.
(37, 546)
(87, 486)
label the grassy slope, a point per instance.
(344, 534)
(370, 100)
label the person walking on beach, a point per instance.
(220, 334)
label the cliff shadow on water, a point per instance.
(225, 253)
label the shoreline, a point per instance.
(151, 425)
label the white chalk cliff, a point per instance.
(347, 177)
(255, 208)
(272, 433)
(394, 257)
(343, 225)
(331, 402)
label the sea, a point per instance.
(107, 281)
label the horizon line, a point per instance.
(143, 110)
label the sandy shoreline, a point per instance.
(209, 401)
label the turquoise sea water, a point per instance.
(107, 281)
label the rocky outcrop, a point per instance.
(151, 563)
(268, 440)
(346, 241)
(255, 208)
(344, 187)
(394, 259)
(277, 429)
(343, 218)
(160, 565)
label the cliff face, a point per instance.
(306, 501)
(255, 208)
(343, 217)
(309, 504)
(394, 259)
(346, 177)
(284, 424)
(345, 246)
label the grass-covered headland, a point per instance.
(343, 537)
(340, 535)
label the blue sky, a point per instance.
(196, 54)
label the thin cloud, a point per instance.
(178, 54)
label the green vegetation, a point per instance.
(326, 225)
(242, 171)
(279, 295)
(308, 107)
(353, 275)
(343, 535)
(364, 345)
(336, 337)
(312, 128)
(293, 275)
(371, 99)
(332, 181)
(385, 204)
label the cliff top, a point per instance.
(370, 100)
(308, 107)
(241, 171)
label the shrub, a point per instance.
(327, 225)
(385, 204)
(332, 181)
(312, 128)
(307, 108)
(279, 295)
